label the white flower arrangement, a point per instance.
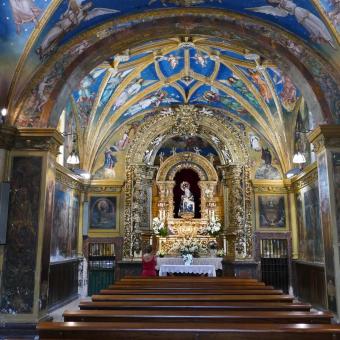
(189, 246)
(158, 227)
(160, 253)
(220, 253)
(213, 227)
(187, 258)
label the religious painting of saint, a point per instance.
(336, 172)
(272, 211)
(103, 212)
(313, 233)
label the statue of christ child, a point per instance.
(187, 200)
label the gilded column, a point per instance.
(138, 206)
(326, 142)
(24, 289)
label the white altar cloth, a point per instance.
(209, 269)
(214, 261)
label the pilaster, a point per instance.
(326, 142)
(32, 164)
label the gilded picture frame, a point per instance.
(271, 212)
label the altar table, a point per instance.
(208, 269)
(214, 261)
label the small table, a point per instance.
(208, 269)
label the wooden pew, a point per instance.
(177, 284)
(198, 316)
(186, 331)
(194, 305)
(188, 288)
(192, 292)
(199, 298)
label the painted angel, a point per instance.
(201, 59)
(75, 14)
(24, 11)
(154, 100)
(172, 59)
(315, 27)
(129, 91)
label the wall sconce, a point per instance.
(73, 158)
(4, 112)
(299, 158)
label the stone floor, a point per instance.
(57, 315)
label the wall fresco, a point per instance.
(324, 195)
(65, 223)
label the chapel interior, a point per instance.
(200, 127)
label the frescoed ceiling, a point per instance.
(31, 31)
(157, 76)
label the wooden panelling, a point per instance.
(63, 282)
(309, 283)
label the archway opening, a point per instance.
(190, 176)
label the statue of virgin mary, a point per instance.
(187, 200)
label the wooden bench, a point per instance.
(181, 316)
(200, 298)
(194, 305)
(188, 288)
(192, 292)
(186, 331)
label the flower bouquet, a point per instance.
(190, 246)
(160, 253)
(213, 227)
(159, 227)
(220, 253)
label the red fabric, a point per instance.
(149, 267)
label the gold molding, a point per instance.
(47, 139)
(325, 136)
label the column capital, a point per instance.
(46, 139)
(325, 136)
(7, 136)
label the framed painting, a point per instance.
(103, 212)
(271, 212)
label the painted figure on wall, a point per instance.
(267, 170)
(272, 212)
(103, 212)
(65, 224)
(187, 200)
(74, 15)
(316, 28)
(336, 171)
(255, 143)
(24, 11)
(261, 83)
(301, 227)
(288, 94)
(314, 242)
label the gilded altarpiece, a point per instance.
(188, 227)
(226, 190)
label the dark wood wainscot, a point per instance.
(309, 282)
(63, 282)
